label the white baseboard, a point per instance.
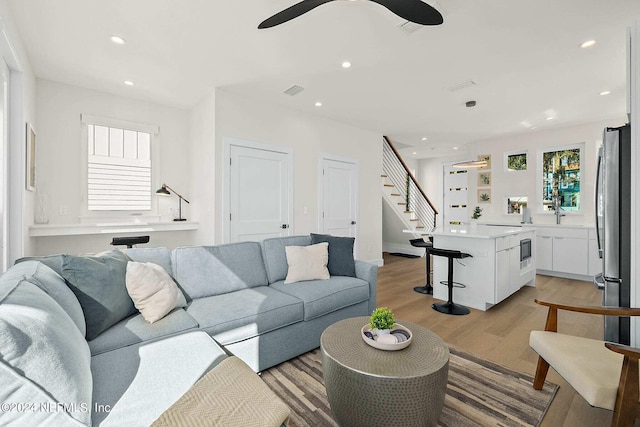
(402, 248)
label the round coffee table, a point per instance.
(370, 387)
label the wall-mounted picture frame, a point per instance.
(515, 161)
(31, 158)
(487, 158)
(484, 195)
(484, 179)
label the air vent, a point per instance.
(409, 27)
(294, 90)
(463, 85)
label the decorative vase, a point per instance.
(379, 332)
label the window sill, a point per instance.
(49, 230)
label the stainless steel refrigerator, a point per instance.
(613, 226)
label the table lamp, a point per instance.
(164, 191)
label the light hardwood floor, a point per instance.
(501, 334)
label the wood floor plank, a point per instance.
(501, 334)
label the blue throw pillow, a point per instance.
(99, 283)
(341, 262)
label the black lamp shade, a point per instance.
(163, 190)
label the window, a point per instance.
(119, 165)
(561, 177)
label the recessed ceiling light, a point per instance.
(346, 64)
(587, 44)
(455, 148)
(128, 82)
(550, 118)
(318, 104)
(526, 124)
(605, 92)
(424, 138)
(117, 40)
(414, 153)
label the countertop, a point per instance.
(479, 231)
(519, 224)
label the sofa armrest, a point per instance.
(368, 272)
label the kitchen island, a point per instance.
(503, 260)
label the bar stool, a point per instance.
(450, 307)
(420, 243)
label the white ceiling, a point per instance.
(524, 56)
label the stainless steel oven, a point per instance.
(525, 249)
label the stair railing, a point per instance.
(406, 184)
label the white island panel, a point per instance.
(494, 271)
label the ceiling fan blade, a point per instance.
(291, 12)
(413, 10)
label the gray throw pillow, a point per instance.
(99, 283)
(341, 262)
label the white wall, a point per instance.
(203, 170)
(524, 183)
(21, 111)
(309, 136)
(59, 162)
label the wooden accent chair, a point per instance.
(603, 373)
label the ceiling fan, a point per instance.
(412, 10)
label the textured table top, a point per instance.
(343, 342)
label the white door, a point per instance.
(340, 197)
(456, 195)
(259, 194)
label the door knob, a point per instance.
(353, 223)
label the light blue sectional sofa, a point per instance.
(133, 371)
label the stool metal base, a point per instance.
(426, 289)
(451, 308)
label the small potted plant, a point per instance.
(382, 321)
(477, 212)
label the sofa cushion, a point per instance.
(153, 291)
(307, 262)
(324, 296)
(204, 271)
(139, 382)
(44, 359)
(341, 261)
(55, 286)
(99, 284)
(54, 262)
(275, 258)
(135, 329)
(160, 256)
(233, 317)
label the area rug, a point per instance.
(479, 393)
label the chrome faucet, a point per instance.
(557, 208)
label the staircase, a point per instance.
(403, 193)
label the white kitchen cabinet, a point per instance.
(516, 270)
(570, 255)
(503, 276)
(492, 273)
(544, 252)
(563, 250)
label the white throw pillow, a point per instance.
(307, 262)
(153, 291)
